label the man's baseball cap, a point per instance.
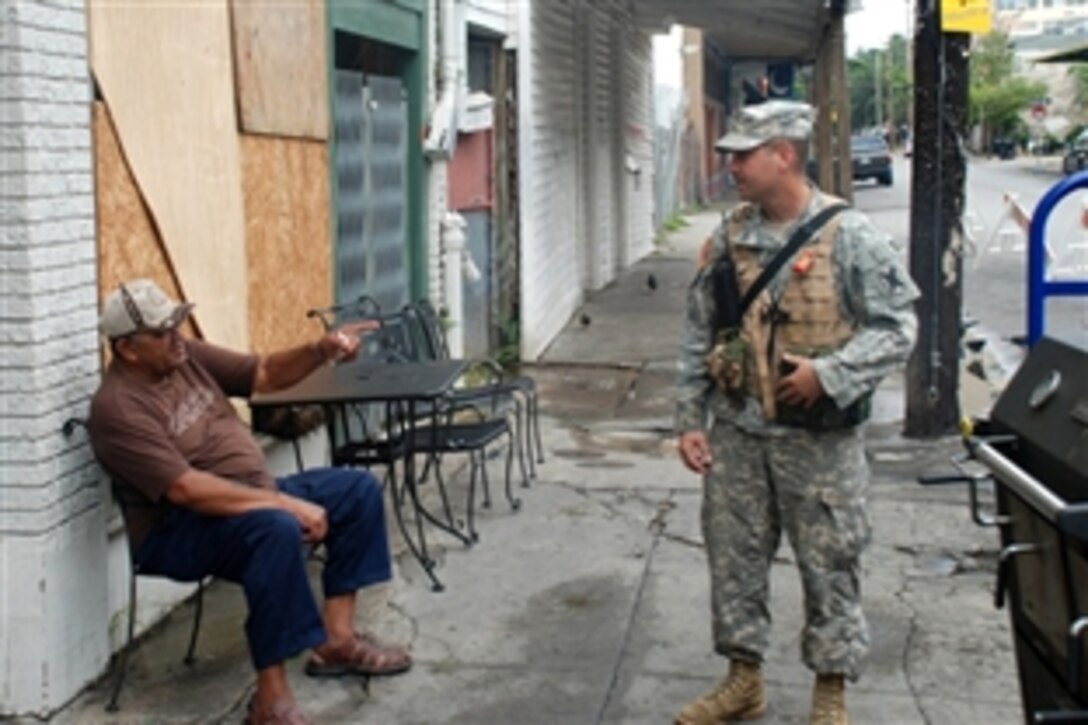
(140, 306)
(754, 126)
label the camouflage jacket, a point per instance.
(875, 291)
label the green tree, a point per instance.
(1079, 73)
(862, 78)
(898, 88)
(992, 58)
(879, 76)
(998, 97)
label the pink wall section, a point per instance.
(470, 173)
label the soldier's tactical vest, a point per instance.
(806, 320)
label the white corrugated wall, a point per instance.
(586, 201)
(603, 227)
(637, 84)
(550, 288)
(586, 156)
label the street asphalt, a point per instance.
(590, 603)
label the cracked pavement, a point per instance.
(590, 604)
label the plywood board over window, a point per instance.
(286, 184)
(128, 244)
(280, 66)
(164, 70)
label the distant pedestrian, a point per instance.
(770, 403)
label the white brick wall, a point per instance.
(54, 591)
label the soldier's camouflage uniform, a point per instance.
(766, 478)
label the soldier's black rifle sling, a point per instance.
(730, 306)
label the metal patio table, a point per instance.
(404, 389)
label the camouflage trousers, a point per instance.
(812, 485)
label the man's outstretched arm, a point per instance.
(283, 369)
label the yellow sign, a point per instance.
(965, 16)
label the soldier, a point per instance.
(770, 402)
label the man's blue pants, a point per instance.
(263, 551)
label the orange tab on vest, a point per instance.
(803, 263)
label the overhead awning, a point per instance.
(742, 29)
(1076, 54)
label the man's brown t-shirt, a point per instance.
(147, 434)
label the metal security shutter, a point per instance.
(371, 121)
(385, 223)
(350, 196)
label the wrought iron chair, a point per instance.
(522, 388)
(473, 418)
(457, 423)
(363, 307)
(372, 435)
(125, 502)
(355, 431)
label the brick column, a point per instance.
(53, 584)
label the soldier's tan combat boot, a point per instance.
(738, 697)
(829, 701)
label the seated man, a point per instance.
(202, 502)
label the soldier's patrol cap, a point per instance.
(754, 126)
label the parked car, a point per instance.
(1076, 157)
(871, 159)
(1003, 148)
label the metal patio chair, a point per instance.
(125, 502)
(522, 388)
(465, 421)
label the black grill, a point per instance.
(1035, 447)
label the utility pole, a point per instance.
(936, 240)
(832, 101)
(840, 92)
(909, 47)
(878, 88)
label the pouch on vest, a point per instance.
(727, 363)
(726, 289)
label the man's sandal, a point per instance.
(363, 655)
(283, 711)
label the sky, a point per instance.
(877, 21)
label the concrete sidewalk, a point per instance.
(590, 604)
